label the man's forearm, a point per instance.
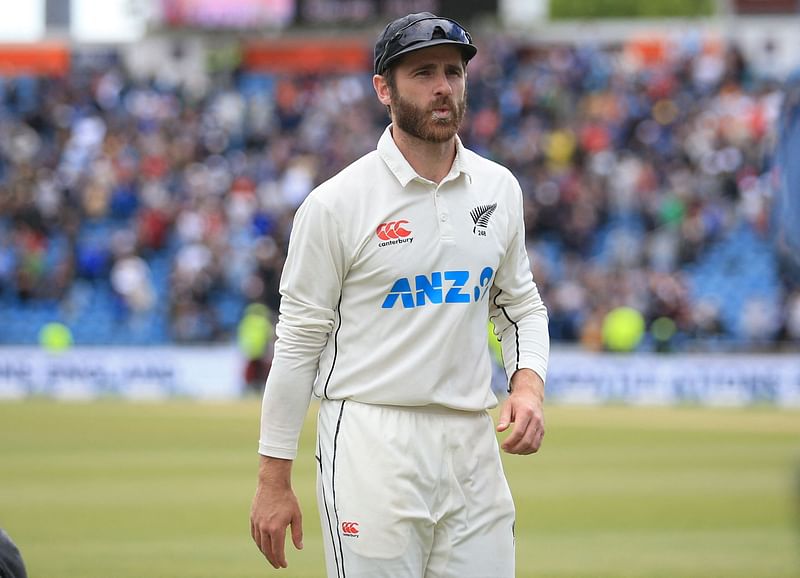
(528, 380)
(275, 472)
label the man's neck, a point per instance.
(430, 160)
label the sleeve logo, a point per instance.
(480, 216)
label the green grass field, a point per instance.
(122, 490)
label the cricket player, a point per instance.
(394, 267)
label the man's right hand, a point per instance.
(275, 507)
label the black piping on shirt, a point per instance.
(516, 333)
(335, 346)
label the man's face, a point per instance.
(428, 96)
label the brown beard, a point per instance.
(421, 124)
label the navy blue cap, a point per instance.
(417, 31)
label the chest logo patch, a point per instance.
(480, 216)
(394, 233)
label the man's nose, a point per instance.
(443, 85)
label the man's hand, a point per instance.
(275, 507)
(523, 408)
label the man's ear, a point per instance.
(382, 89)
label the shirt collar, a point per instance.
(403, 171)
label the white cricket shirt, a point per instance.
(387, 288)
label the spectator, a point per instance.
(635, 168)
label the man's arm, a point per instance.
(275, 508)
(311, 285)
(520, 319)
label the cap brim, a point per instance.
(469, 50)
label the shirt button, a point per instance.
(443, 217)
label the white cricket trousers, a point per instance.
(412, 493)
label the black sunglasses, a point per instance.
(423, 31)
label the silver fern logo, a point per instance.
(480, 216)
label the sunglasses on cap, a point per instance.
(423, 31)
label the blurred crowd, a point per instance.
(634, 160)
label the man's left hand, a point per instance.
(524, 409)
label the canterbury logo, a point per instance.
(480, 216)
(350, 528)
(392, 230)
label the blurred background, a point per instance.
(152, 156)
(153, 152)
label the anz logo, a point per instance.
(437, 288)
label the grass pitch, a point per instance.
(122, 490)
